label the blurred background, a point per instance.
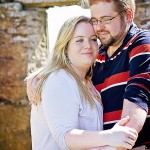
(23, 44)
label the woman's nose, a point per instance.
(87, 44)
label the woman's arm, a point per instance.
(118, 136)
(105, 148)
(61, 113)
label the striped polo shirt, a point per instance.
(125, 75)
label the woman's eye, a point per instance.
(94, 39)
(81, 40)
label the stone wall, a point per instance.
(47, 3)
(21, 29)
(20, 32)
(142, 15)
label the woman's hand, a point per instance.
(122, 136)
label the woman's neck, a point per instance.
(81, 72)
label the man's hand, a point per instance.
(31, 83)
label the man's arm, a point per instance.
(137, 115)
(136, 96)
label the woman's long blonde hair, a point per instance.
(58, 60)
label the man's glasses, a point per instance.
(105, 20)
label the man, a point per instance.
(121, 73)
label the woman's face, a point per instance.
(83, 47)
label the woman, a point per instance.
(68, 112)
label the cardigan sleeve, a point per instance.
(61, 106)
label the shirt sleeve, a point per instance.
(61, 106)
(138, 86)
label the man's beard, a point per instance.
(114, 40)
(110, 42)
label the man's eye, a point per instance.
(106, 19)
(93, 21)
(80, 40)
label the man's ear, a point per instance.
(129, 16)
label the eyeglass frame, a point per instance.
(103, 22)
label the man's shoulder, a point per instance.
(142, 38)
(143, 35)
(135, 30)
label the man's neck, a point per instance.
(111, 49)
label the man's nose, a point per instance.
(99, 26)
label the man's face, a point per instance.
(110, 28)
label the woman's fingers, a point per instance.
(123, 121)
(131, 138)
(133, 131)
(123, 136)
(133, 134)
(127, 146)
